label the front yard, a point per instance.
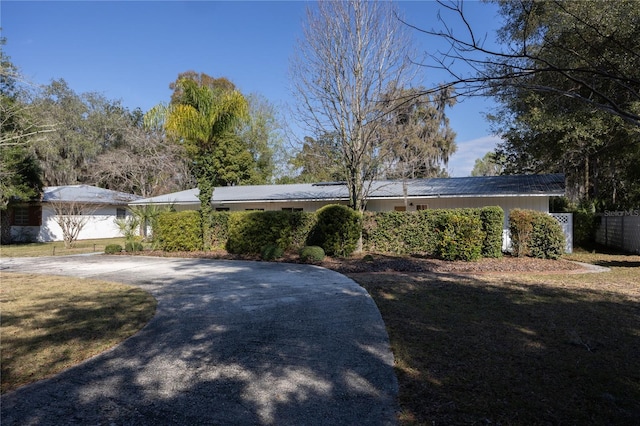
(515, 348)
(500, 341)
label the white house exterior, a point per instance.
(509, 192)
(37, 221)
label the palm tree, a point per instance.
(199, 119)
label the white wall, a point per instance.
(101, 224)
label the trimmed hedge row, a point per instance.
(179, 231)
(451, 234)
(437, 232)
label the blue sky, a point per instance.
(132, 50)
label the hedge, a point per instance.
(179, 231)
(536, 234)
(249, 232)
(337, 230)
(460, 236)
(422, 231)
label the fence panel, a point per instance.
(566, 222)
(620, 230)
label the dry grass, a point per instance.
(57, 248)
(515, 349)
(52, 323)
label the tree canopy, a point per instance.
(566, 76)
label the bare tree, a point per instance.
(351, 53)
(584, 51)
(147, 165)
(72, 217)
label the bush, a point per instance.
(585, 225)
(249, 232)
(219, 223)
(460, 237)
(547, 238)
(312, 254)
(271, 252)
(337, 230)
(492, 225)
(133, 246)
(520, 229)
(400, 232)
(179, 231)
(113, 249)
(535, 234)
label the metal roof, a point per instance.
(481, 186)
(86, 194)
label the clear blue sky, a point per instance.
(132, 50)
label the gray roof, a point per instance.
(482, 186)
(86, 194)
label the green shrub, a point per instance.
(132, 246)
(547, 238)
(271, 252)
(492, 225)
(585, 225)
(113, 248)
(460, 236)
(179, 231)
(399, 232)
(312, 254)
(520, 229)
(536, 234)
(337, 230)
(219, 229)
(249, 232)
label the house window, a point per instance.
(422, 207)
(27, 216)
(292, 209)
(400, 208)
(222, 209)
(254, 210)
(121, 213)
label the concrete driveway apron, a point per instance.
(232, 342)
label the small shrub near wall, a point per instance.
(337, 230)
(536, 234)
(179, 231)
(547, 238)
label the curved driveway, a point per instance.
(232, 342)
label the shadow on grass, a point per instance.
(476, 351)
(62, 329)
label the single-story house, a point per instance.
(96, 207)
(509, 192)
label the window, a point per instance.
(26, 216)
(121, 213)
(292, 209)
(222, 209)
(254, 210)
(422, 207)
(400, 208)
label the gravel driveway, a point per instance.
(232, 342)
